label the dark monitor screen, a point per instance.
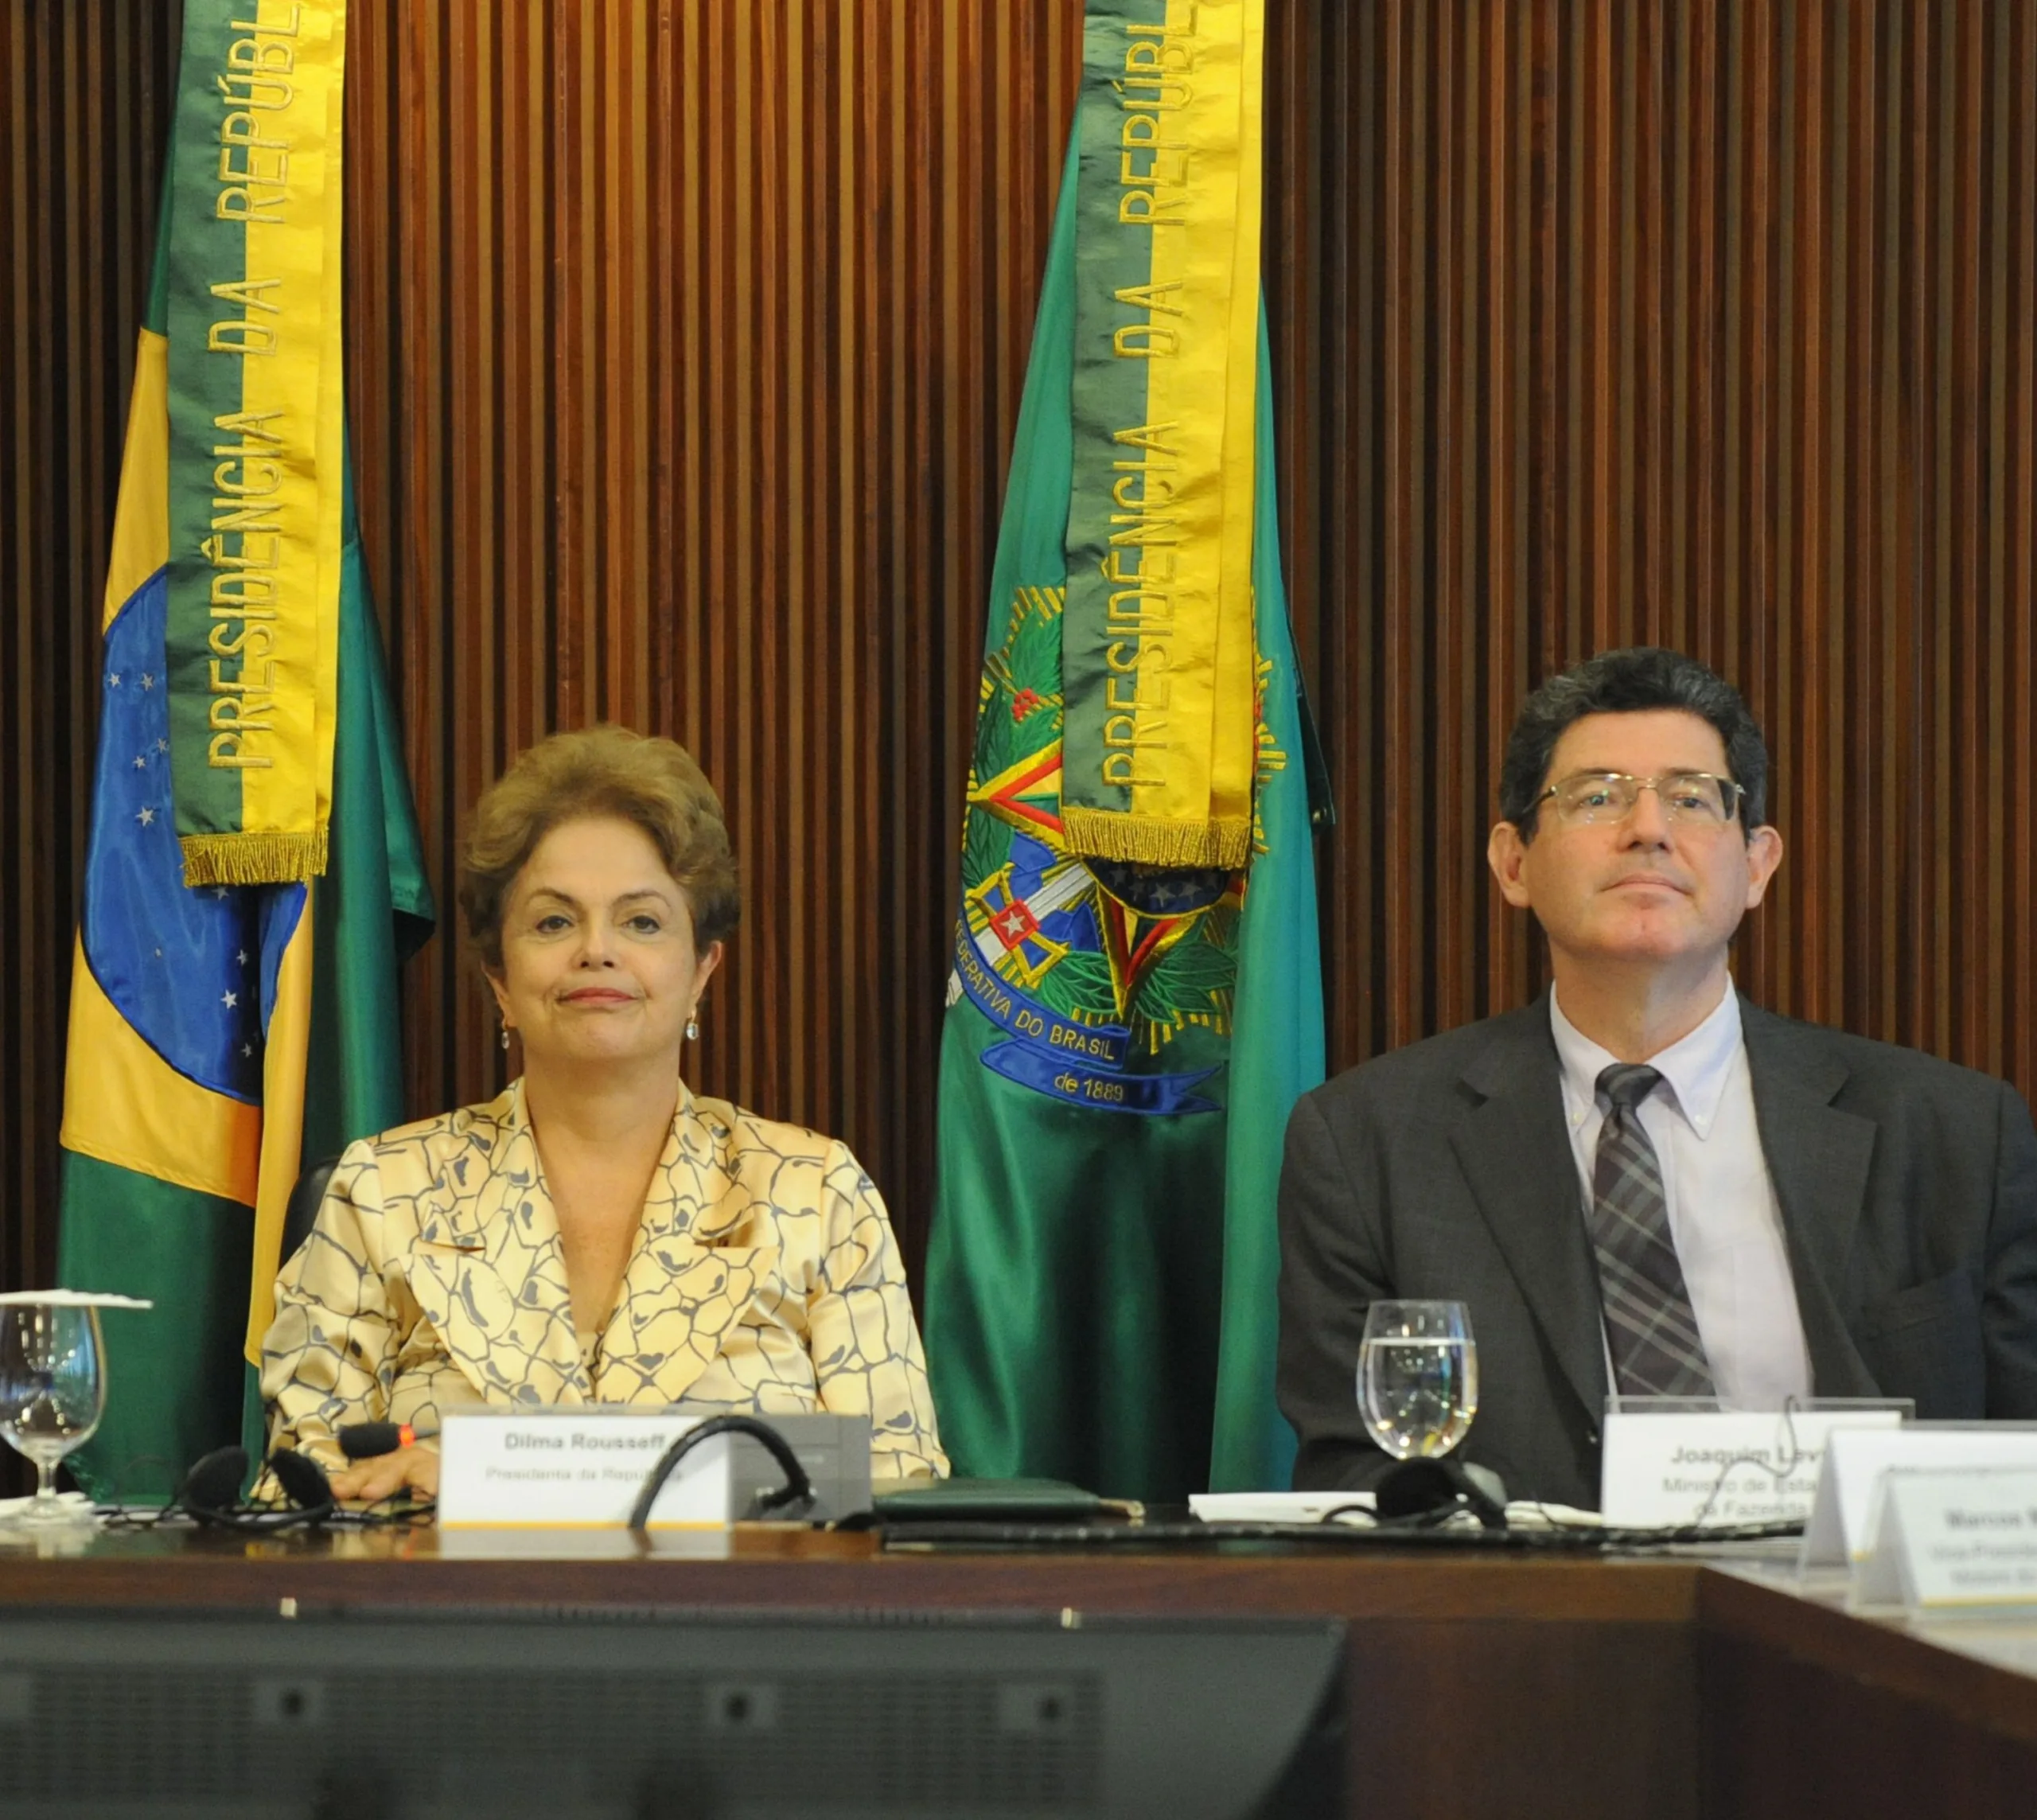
(690, 1716)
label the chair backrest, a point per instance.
(302, 1211)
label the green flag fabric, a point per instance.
(1277, 1028)
(374, 904)
(219, 1035)
(1121, 1047)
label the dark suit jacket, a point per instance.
(1908, 1189)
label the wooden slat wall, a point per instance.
(687, 343)
(1709, 326)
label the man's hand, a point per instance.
(375, 1479)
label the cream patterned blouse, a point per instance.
(765, 1278)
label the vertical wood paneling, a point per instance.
(687, 341)
(1772, 368)
(708, 324)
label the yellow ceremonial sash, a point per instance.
(257, 436)
(1157, 654)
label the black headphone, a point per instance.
(210, 1492)
(1419, 1493)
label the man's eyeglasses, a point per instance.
(1697, 799)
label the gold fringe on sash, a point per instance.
(252, 858)
(1155, 840)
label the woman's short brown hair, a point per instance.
(651, 784)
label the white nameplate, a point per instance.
(1718, 1466)
(1840, 1530)
(582, 1468)
(1953, 1540)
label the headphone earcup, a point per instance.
(304, 1483)
(212, 1487)
(211, 1491)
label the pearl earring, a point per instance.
(692, 1029)
(505, 1037)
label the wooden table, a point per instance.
(1507, 1684)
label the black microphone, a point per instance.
(370, 1440)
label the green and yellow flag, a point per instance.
(1135, 1000)
(222, 1033)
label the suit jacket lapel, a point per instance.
(1818, 1158)
(489, 1274)
(1515, 1148)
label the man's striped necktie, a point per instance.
(1649, 1325)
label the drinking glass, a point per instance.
(52, 1390)
(1417, 1377)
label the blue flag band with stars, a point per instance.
(193, 971)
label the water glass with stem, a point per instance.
(52, 1390)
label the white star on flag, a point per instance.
(147, 816)
(229, 1000)
(242, 957)
(113, 681)
(140, 763)
(148, 681)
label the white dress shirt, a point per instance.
(1724, 1216)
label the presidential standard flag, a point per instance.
(1135, 1000)
(220, 1033)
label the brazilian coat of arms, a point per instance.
(1112, 983)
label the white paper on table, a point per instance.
(1312, 1506)
(73, 1504)
(1272, 1506)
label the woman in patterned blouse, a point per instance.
(596, 1234)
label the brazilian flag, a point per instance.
(220, 1034)
(1123, 1040)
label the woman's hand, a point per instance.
(371, 1481)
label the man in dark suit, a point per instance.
(1641, 1181)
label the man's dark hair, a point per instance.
(1634, 681)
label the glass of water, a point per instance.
(1417, 1377)
(52, 1390)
